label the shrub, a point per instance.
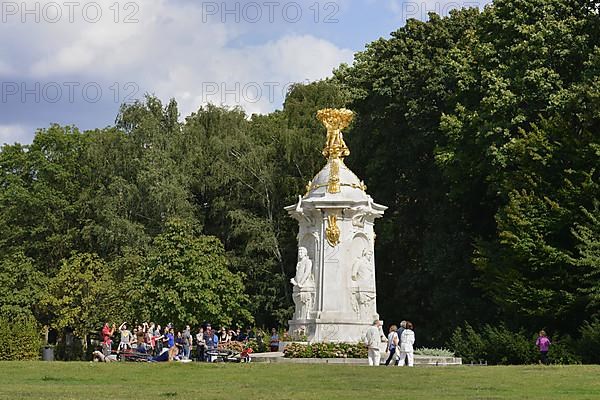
(325, 350)
(505, 347)
(261, 341)
(589, 344)
(468, 344)
(235, 346)
(298, 350)
(563, 351)
(20, 339)
(494, 345)
(424, 351)
(499, 345)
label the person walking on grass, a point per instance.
(543, 344)
(392, 344)
(399, 334)
(407, 339)
(373, 338)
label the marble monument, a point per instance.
(334, 287)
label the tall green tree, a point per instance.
(479, 130)
(39, 202)
(187, 280)
(83, 295)
(400, 89)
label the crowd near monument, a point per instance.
(334, 286)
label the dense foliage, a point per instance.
(20, 339)
(189, 277)
(479, 131)
(502, 346)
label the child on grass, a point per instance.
(543, 344)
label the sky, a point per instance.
(76, 62)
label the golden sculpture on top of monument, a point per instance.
(335, 150)
(335, 120)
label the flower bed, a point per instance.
(325, 350)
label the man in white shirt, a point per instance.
(373, 342)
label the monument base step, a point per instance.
(277, 357)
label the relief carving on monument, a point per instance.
(363, 279)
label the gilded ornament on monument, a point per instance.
(335, 149)
(335, 120)
(333, 186)
(332, 231)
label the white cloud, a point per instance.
(10, 134)
(171, 52)
(255, 77)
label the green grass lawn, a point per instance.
(38, 380)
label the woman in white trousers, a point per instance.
(405, 350)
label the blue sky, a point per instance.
(76, 63)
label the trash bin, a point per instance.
(48, 353)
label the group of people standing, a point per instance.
(400, 343)
(154, 340)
